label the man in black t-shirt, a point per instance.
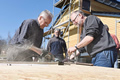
(96, 40)
(57, 46)
(28, 38)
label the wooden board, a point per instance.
(57, 72)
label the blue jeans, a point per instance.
(105, 58)
(116, 64)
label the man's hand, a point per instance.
(70, 50)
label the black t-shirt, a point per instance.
(57, 46)
(28, 32)
(94, 27)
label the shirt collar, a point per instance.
(38, 22)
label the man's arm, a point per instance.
(65, 50)
(48, 45)
(20, 34)
(116, 41)
(86, 40)
(37, 50)
(23, 30)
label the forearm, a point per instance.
(117, 43)
(87, 40)
(35, 49)
(66, 53)
(48, 46)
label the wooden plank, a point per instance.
(58, 72)
(86, 64)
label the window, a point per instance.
(86, 5)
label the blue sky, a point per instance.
(118, 0)
(13, 12)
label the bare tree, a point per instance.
(3, 43)
(8, 38)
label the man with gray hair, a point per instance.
(30, 32)
(57, 46)
(95, 38)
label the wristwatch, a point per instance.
(76, 47)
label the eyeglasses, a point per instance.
(75, 18)
(45, 22)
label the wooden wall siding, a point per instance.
(72, 27)
(96, 6)
(118, 31)
(65, 15)
(110, 21)
(72, 37)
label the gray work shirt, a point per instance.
(29, 31)
(94, 27)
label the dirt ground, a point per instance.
(57, 72)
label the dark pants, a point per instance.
(59, 57)
(105, 58)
